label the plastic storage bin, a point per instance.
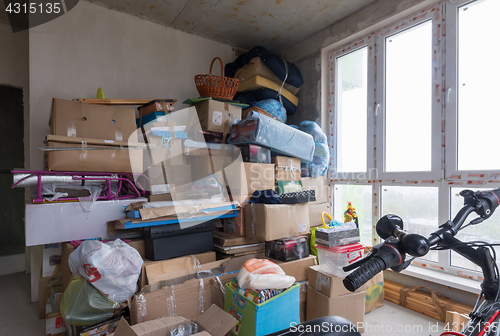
(332, 259)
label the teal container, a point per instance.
(275, 314)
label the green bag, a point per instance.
(312, 244)
(82, 304)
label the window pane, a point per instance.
(417, 206)
(478, 85)
(486, 231)
(351, 79)
(408, 100)
(360, 197)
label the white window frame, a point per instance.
(451, 100)
(433, 14)
(444, 173)
(333, 55)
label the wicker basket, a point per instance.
(216, 86)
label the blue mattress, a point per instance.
(282, 139)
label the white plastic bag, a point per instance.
(263, 274)
(112, 267)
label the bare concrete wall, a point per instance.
(128, 57)
(307, 54)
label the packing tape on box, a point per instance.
(292, 214)
(118, 134)
(221, 286)
(252, 206)
(202, 297)
(196, 262)
(71, 130)
(171, 306)
(83, 151)
(141, 305)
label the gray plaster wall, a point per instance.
(91, 47)
(307, 54)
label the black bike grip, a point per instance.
(364, 273)
(496, 192)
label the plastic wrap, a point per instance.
(282, 139)
(82, 304)
(111, 267)
(273, 107)
(141, 305)
(321, 157)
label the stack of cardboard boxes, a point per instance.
(189, 285)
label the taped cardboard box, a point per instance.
(275, 221)
(328, 284)
(374, 293)
(351, 306)
(303, 300)
(92, 121)
(157, 105)
(315, 212)
(320, 187)
(154, 270)
(214, 321)
(84, 159)
(210, 164)
(215, 116)
(188, 294)
(236, 226)
(299, 269)
(224, 239)
(243, 178)
(287, 168)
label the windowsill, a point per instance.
(445, 279)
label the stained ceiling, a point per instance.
(275, 24)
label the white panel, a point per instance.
(60, 222)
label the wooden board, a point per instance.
(422, 302)
(117, 101)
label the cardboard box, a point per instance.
(67, 248)
(155, 270)
(303, 300)
(236, 226)
(160, 198)
(170, 153)
(243, 178)
(51, 258)
(287, 168)
(273, 315)
(374, 293)
(180, 178)
(275, 221)
(92, 121)
(299, 269)
(215, 116)
(351, 306)
(328, 284)
(320, 187)
(55, 297)
(156, 105)
(55, 324)
(184, 294)
(224, 239)
(213, 322)
(109, 159)
(315, 212)
(210, 164)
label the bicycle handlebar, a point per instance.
(398, 243)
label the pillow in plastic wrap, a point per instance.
(273, 107)
(321, 158)
(264, 131)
